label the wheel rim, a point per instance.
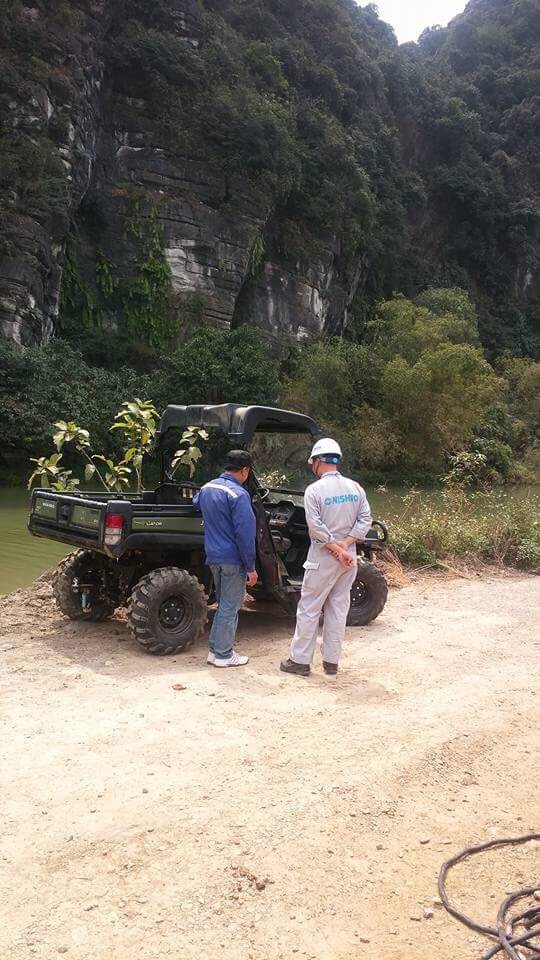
(175, 614)
(358, 593)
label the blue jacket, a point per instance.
(229, 522)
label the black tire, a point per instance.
(87, 565)
(368, 595)
(167, 611)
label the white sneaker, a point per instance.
(211, 658)
(235, 660)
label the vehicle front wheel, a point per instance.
(167, 611)
(79, 570)
(369, 594)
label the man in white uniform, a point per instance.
(337, 515)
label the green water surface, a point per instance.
(22, 557)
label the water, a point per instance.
(22, 557)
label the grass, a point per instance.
(490, 527)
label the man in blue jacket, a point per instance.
(229, 541)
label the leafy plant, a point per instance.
(52, 475)
(70, 432)
(138, 420)
(117, 474)
(189, 452)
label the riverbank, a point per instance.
(156, 807)
(426, 526)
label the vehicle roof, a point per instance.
(236, 421)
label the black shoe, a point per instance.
(330, 668)
(301, 669)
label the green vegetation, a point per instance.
(416, 401)
(487, 526)
(139, 298)
(137, 420)
(470, 92)
(43, 385)
(417, 398)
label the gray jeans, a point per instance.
(230, 585)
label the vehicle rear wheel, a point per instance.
(369, 594)
(167, 611)
(82, 567)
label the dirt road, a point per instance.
(256, 815)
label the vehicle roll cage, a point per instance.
(238, 423)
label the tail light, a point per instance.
(114, 526)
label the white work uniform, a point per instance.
(335, 508)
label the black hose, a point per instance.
(504, 933)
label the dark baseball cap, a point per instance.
(237, 460)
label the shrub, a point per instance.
(494, 527)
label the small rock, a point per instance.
(352, 813)
(364, 940)
(179, 686)
(537, 894)
(260, 884)
(425, 839)
(145, 790)
(62, 949)
(150, 830)
(416, 917)
(428, 913)
(89, 906)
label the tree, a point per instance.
(435, 403)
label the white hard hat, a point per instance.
(325, 448)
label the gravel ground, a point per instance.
(160, 808)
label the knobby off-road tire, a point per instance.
(167, 611)
(81, 565)
(368, 595)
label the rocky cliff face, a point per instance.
(125, 203)
(211, 228)
(50, 123)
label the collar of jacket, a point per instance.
(229, 476)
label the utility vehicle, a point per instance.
(146, 551)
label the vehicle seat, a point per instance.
(176, 493)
